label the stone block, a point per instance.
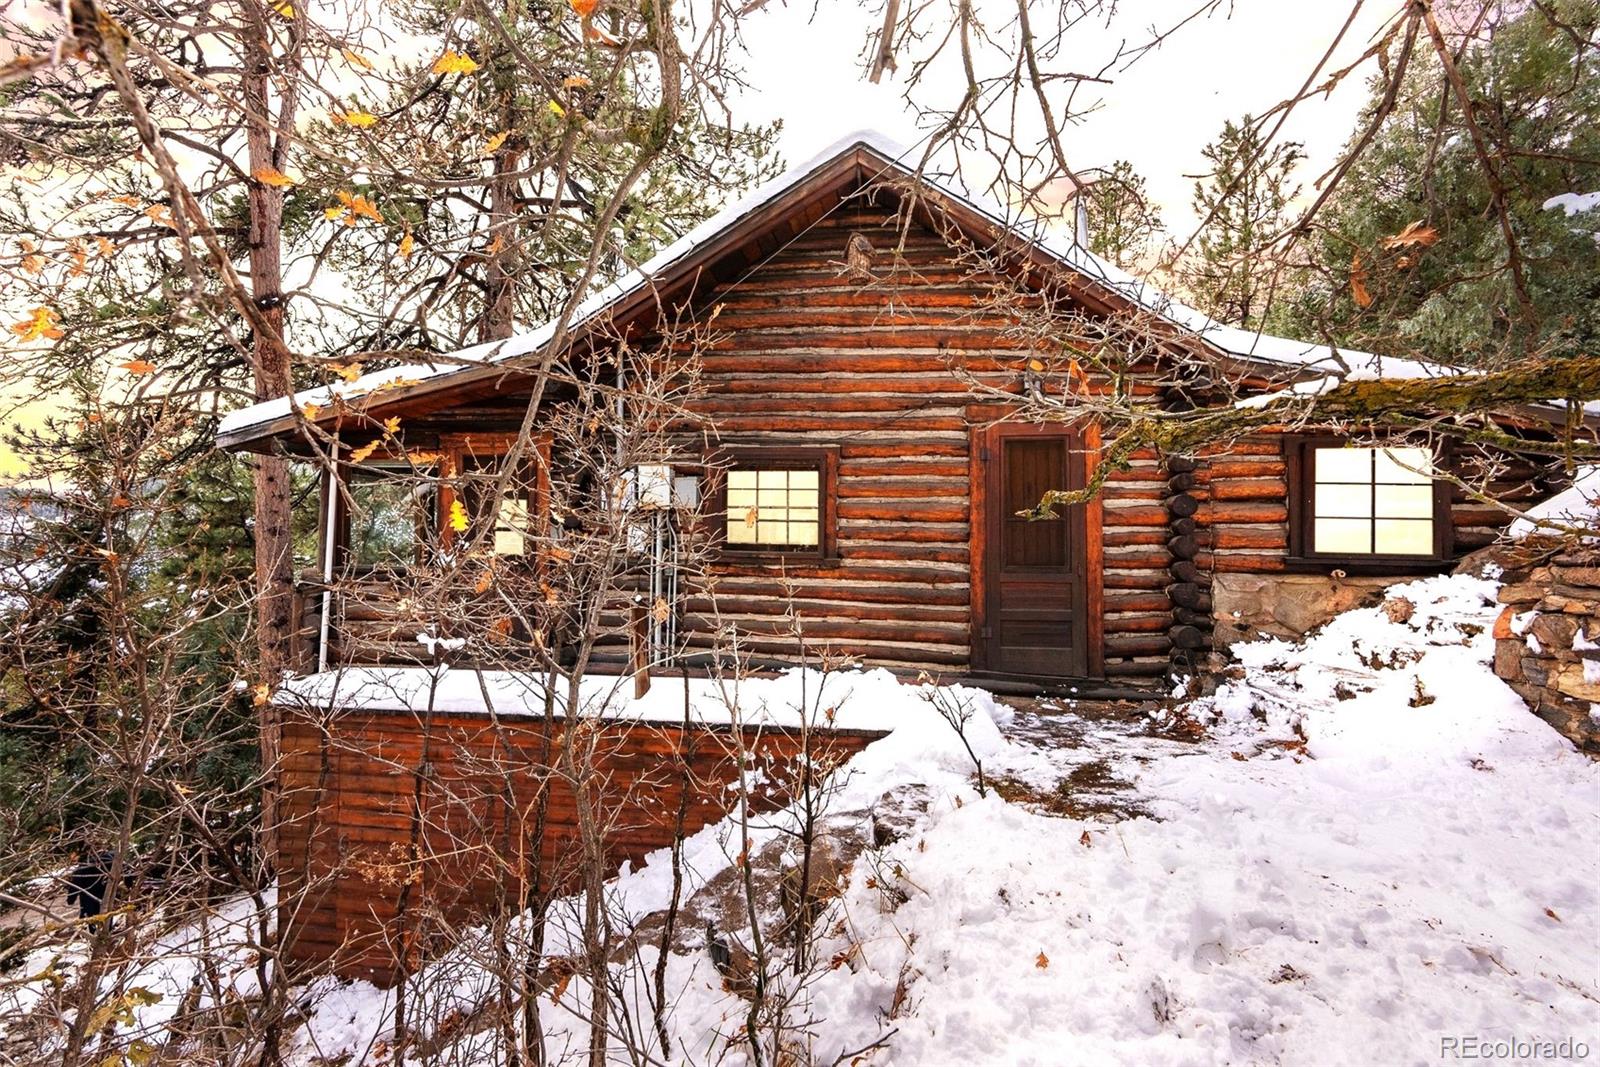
(1534, 671)
(1508, 659)
(1570, 680)
(1554, 631)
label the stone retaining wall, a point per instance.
(1547, 643)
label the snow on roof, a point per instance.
(1232, 340)
(862, 700)
(1575, 507)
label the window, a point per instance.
(508, 533)
(779, 500)
(1368, 502)
(389, 516)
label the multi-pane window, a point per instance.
(774, 508)
(1372, 502)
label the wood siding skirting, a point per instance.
(397, 828)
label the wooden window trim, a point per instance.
(1300, 462)
(824, 459)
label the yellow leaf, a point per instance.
(284, 8)
(408, 244)
(41, 322)
(348, 371)
(391, 424)
(261, 694)
(356, 58)
(575, 81)
(557, 110)
(126, 200)
(361, 119)
(158, 213)
(362, 454)
(1415, 233)
(270, 176)
(661, 611)
(1035, 365)
(492, 145)
(1358, 282)
(32, 261)
(458, 516)
(454, 63)
(138, 366)
(310, 410)
(104, 246)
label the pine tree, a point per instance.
(1124, 225)
(1406, 257)
(1243, 204)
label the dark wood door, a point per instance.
(1035, 622)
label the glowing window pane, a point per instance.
(741, 480)
(1344, 501)
(1405, 537)
(511, 520)
(1344, 465)
(1402, 466)
(802, 533)
(1352, 536)
(1403, 502)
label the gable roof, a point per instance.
(857, 159)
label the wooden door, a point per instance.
(1035, 587)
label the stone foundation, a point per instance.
(1547, 643)
(1248, 606)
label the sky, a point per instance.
(805, 67)
(803, 64)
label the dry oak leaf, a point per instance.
(32, 261)
(159, 213)
(284, 8)
(408, 245)
(1042, 961)
(362, 454)
(273, 177)
(458, 516)
(575, 81)
(585, 8)
(391, 424)
(356, 58)
(360, 119)
(1358, 282)
(348, 371)
(104, 246)
(596, 35)
(1415, 233)
(454, 63)
(492, 145)
(138, 366)
(41, 322)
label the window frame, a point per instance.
(1300, 459)
(426, 519)
(824, 459)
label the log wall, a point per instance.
(397, 829)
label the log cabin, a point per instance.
(865, 468)
(862, 406)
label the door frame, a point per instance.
(984, 445)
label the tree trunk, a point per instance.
(274, 538)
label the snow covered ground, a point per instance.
(1374, 849)
(1359, 850)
